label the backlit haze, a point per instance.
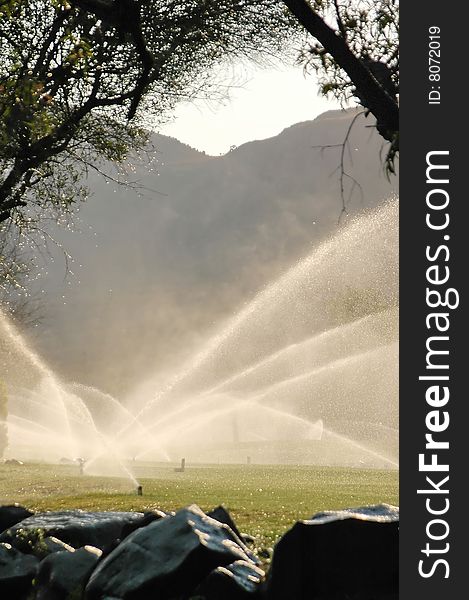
(261, 103)
(230, 309)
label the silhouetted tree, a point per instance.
(82, 81)
(355, 53)
(17, 271)
(79, 79)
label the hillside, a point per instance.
(154, 273)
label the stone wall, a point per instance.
(75, 555)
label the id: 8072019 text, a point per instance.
(434, 65)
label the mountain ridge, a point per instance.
(162, 269)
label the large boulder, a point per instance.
(45, 546)
(75, 527)
(221, 514)
(11, 515)
(349, 554)
(16, 572)
(147, 518)
(64, 575)
(166, 559)
(239, 581)
(53, 544)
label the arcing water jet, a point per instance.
(307, 372)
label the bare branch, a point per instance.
(343, 174)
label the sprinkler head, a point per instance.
(139, 490)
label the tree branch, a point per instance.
(124, 16)
(378, 101)
(340, 23)
(343, 173)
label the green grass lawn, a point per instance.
(263, 500)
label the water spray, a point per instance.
(242, 379)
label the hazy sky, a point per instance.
(262, 103)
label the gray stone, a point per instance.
(248, 539)
(239, 581)
(45, 546)
(11, 515)
(147, 518)
(264, 553)
(16, 572)
(33, 542)
(64, 575)
(338, 554)
(166, 559)
(75, 527)
(53, 545)
(221, 514)
(379, 513)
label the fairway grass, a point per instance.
(264, 500)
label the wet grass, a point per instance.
(264, 500)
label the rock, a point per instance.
(64, 575)
(74, 527)
(381, 513)
(45, 546)
(11, 515)
(32, 541)
(239, 581)
(167, 558)
(248, 539)
(147, 518)
(221, 514)
(264, 553)
(16, 572)
(338, 554)
(53, 545)
(14, 462)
